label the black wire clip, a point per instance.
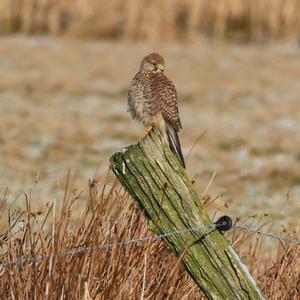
(224, 223)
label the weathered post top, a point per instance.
(153, 176)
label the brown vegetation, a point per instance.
(154, 20)
(143, 270)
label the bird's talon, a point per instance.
(148, 129)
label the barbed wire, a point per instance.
(79, 250)
(267, 234)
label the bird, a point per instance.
(152, 100)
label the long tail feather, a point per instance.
(174, 143)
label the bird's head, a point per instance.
(152, 63)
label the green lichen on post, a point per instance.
(155, 179)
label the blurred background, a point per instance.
(65, 67)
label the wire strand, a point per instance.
(266, 234)
(79, 250)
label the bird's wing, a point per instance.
(150, 95)
(164, 100)
(165, 95)
(130, 101)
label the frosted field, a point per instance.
(63, 105)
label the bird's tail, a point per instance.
(174, 143)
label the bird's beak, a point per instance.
(160, 67)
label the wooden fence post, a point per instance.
(155, 179)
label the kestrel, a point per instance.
(152, 99)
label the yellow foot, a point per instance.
(148, 129)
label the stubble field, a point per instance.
(63, 105)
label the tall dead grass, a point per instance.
(154, 20)
(145, 270)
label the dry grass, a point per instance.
(161, 20)
(119, 272)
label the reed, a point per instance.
(154, 20)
